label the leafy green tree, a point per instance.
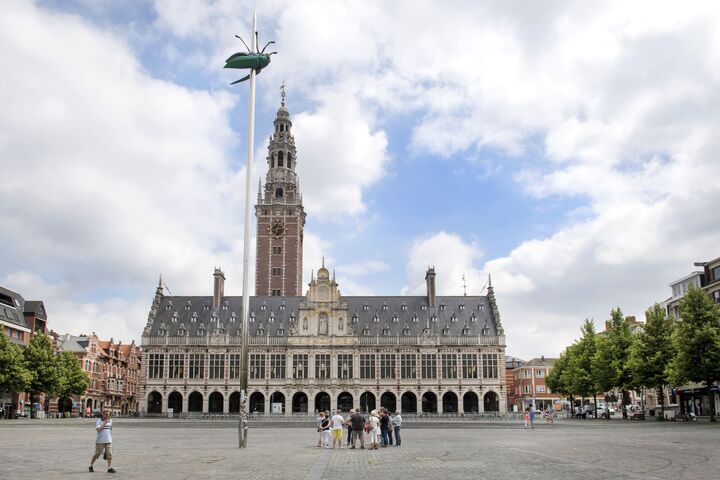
(652, 352)
(73, 379)
(42, 363)
(14, 375)
(611, 361)
(580, 375)
(697, 341)
(558, 380)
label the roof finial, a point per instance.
(489, 281)
(282, 94)
(464, 286)
(160, 281)
(323, 262)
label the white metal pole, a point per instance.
(246, 253)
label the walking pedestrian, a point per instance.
(526, 418)
(532, 417)
(103, 441)
(358, 428)
(384, 424)
(396, 423)
(337, 427)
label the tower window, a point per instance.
(276, 271)
(276, 293)
(280, 159)
(279, 192)
(289, 161)
(277, 250)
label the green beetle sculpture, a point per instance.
(249, 60)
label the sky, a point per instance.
(568, 149)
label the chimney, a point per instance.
(218, 287)
(430, 282)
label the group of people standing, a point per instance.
(382, 426)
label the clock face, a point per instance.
(277, 229)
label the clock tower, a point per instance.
(280, 216)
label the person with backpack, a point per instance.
(357, 421)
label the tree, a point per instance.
(580, 375)
(14, 375)
(42, 363)
(697, 341)
(612, 356)
(73, 379)
(558, 380)
(652, 352)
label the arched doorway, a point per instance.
(277, 403)
(64, 405)
(234, 402)
(322, 402)
(408, 402)
(215, 402)
(429, 402)
(154, 402)
(175, 402)
(256, 403)
(300, 403)
(450, 402)
(344, 402)
(195, 402)
(367, 402)
(388, 401)
(491, 402)
(470, 403)
(88, 406)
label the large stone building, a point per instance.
(323, 350)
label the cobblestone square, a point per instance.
(165, 450)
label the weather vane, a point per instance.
(282, 93)
(464, 286)
(249, 60)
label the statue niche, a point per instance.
(323, 324)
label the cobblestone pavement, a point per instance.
(567, 450)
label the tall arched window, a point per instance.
(289, 161)
(280, 159)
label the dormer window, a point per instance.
(282, 306)
(453, 318)
(481, 307)
(292, 317)
(206, 306)
(465, 330)
(446, 330)
(376, 318)
(161, 330)
(260, 331)
(385, 307)
(442, 306)
(252, 316)
(220, 328)
(395, 318)
(433, 318)
(263, 306)
(355, 318)
(272, 317)
(181, 331)
(386, 330)
(168, 305)
(225, 305)
(188, 305)
(403, 306)
(486, 330)
(414, 318)
(233, 317)
(193, 318)
(201, 330)
(473, 318)
(366, 307)
(423, 307)
(280, 332)
(462, 306)
(366, 332)
(213, 317)
(175, 317)
(406, 330)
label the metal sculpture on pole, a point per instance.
(255, 61)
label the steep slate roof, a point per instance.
(72, 343)
(11, 308)
(189, 313)
(541, 362)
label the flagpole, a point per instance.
(243, 426)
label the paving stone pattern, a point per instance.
(566, 450)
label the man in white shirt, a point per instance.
(103, 441)
(337, 426)
(396, 423)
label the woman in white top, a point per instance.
(374, 430)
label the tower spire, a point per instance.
(282, 94)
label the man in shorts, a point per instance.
(103, 441)
(337, 426)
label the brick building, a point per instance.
(530, 388)
(321, 350)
